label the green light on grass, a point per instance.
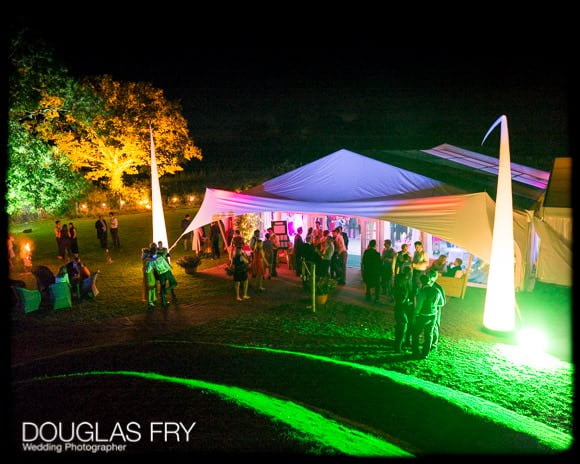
(534, 359)
(475, 405)
(532, 340)
(532, 345)
(324, 431)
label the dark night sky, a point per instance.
(253, 102)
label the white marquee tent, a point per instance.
(553, 222)
(350, 184)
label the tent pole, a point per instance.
(313, 287)
(222, 231)
(466, 276)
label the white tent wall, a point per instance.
(554, 228)
(523, 241)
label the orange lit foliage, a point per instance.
(116, 142)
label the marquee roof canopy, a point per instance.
(406, 187)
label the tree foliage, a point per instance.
(37, 180)
(62, 130)
(116, 142)
(39, 91)
(247, 224)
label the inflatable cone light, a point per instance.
(500, 303)
(159, 229)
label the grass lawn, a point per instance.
(120, 282)
(347, 329)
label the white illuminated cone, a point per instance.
(159, 229)
(500, 303)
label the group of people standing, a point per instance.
(407, 280)
(103, 230)
(66, 240)
(157, 270)
(418, 298)
(74, 272)
(261, 260)
(329, 251)
(197, 239)
(78, 276)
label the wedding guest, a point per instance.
(114, 226)
(57, 229)
(420, 263)
(74, 244)
(388, 255)
(11, 253)
(65, 244)
(371, 270)
(439, 264)
(164, 274)
(429, 300)
(240, 263)
(404, 308)
(187, 238)
(214, 236)
(275, 247)
(259, 264)
(455, 270)
(101, 226)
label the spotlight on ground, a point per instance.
(532, 341)
(530, 350)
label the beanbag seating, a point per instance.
(60, 295)
(28, 300)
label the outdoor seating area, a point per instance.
(453, 286)
(26, 300)
(51, 293)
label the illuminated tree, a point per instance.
(247, 224)
(37, 180)
(115, 143)
(62, 129)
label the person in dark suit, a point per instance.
(101, 226)
(298, 243)
(214, 235)
(404, 308)
(187, 238)
(371, 270)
